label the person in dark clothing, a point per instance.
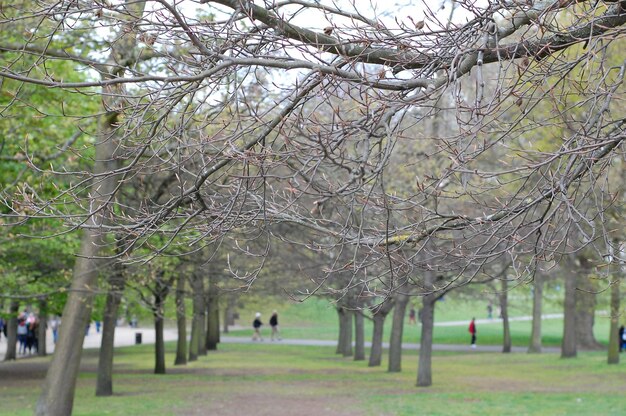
(412, 316)
(473, 331)
(274, 325)
(256, 324)
(620, 339)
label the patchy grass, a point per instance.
(275, 379)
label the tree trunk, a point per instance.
(535, 334)
(104, 377)
(213, 316)
(160, 294)
(229, 313)
(41, 330)
(504, 307)
(614, 341)
(342, 331)
(380, 313)
(11, 353)
(359, 336)
(424, 368)
(347, 339)
(585, 309)
(568, 346)
(376, 351)
(57, 394)
(181, 322)
(159, 345)
(197, 323)
(397, 328)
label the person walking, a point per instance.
(1, 327)
(622, 338)
(412, 316)
(54, 324)
(256, 324)
(22, 332)
(473, 331)
(274, 325)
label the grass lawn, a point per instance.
(317, 319)
(274, 379)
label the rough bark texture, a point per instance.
(397, 329)
(380, 314)
(504, 307)
(11, 353)
(614, 341)
(535, 333)
(41, 330)
(181, 322)
(213, 316)
(424, 368)
(359, 336)
(568, 346)
(104, 380)
(585, 308)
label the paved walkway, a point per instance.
(125, 336)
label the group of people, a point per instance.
(257, 324)
(27, 333)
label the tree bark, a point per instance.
(568, 346)
(11, 353)
(181, 322)
(104, 377)
(43, 326)
(159, 345)
(359, 336)
(347, 339)
(585, 308)
(197, 322)
(57, 394)
(397, 329)
(424, 368)
(504, 307)
(614, 341)
(535, 334)
(379, 314)
(213, 316)
(229, 313)
(342, 331)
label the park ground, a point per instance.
(298, 377)
(276, 379)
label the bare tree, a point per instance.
(252, 118)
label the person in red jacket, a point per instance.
(472, 330)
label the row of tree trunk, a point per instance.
(579, 310)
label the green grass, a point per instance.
(279, 379)
(317, 319)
